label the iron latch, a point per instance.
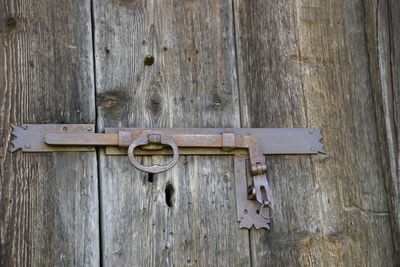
(253, 198)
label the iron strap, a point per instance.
(254, 199)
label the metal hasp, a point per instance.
(253, 196)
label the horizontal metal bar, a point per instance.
(272, 140)
(81, 137)
(116, 151)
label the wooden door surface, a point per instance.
(151, 63)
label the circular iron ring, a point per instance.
(144, 140)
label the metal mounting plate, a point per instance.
(246, 209)
(30, 137)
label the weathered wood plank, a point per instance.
(305, 63)
(392, 114)
(383, 35)
(49, 203)
(168, 64)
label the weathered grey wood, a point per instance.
(329, 64)
(306, 63)
(383, 35)
(168, 64)
(392, 115)
(49, 202)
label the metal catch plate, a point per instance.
(30, 137)
(248, 211)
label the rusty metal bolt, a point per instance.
(258, 169)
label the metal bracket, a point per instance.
(254, 201)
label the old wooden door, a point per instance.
(146, 63)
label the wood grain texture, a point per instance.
(168, 64)
(392, 115)
(383, 35)
(49, 202)
(306, 64)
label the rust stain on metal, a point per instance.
(246, 207)
(254, 201)
(30, 137)
(153, 139)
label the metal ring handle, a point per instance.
(270, 211)
(144, 140)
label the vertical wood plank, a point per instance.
(168, 64)
(305, 64)
(383, 35)
(392, 115)
(49, 202)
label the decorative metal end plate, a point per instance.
(30, 137)
(248, 213)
